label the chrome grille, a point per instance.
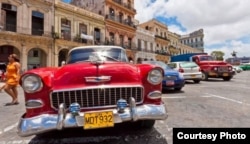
(170, 78)
(223, 69)
(96, 97)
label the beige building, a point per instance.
(25, 29)
(119, 15)
(145, 42)
(75, 26)
(161, 38)
(174, 45)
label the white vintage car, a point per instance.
(190, 70)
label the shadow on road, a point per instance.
(127, 133)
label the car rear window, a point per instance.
(188, 65)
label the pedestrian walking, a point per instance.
(12, 79)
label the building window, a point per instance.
(121, 40)
(65, 29)
(112, 38)
(37, 23)
(130, 42)
(139, 44)
(151, 47)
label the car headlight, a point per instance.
(31, 83)
(155, 76)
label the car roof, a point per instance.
(96, 47)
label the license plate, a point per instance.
(169, 83)
(193, 76)
(95, 120)
(225, 74)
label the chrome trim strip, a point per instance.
(47, 122)
(99, 86)
(159, 92)
(33, 100)
(96, 87)
(98, 79)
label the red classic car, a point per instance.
(96, 88)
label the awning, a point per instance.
(87, 37)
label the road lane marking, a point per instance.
(229, 99)
(182, 97)
(208, 95)
(8, 128)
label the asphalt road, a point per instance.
(214, 103)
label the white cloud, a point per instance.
(224, 22)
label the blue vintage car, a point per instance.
(172, 78)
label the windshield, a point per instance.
(188, 65)
(158, 63)
(206, 58)
(104, 54)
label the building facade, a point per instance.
(75, 26)
(119, 15)
(25, 29)
(194, 39)
(145, 42)
(174, 45)
(160, 31)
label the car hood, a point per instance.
(213, 63)
(171, 72)
(75, 75)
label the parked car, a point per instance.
(190, 70)
(172, 78)
(245, 66)
(237, 69)
(96, 88)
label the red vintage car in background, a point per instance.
(97, 88)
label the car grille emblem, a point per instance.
(98, 79)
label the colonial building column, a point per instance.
(24, 58)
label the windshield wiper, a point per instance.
(109, 57)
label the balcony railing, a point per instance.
(126, 5)
(31, 31)
(164, 38)
(161, 52)
(119, 20)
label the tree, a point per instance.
(218, 55)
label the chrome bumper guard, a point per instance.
(47, 122)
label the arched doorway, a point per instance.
(5, 51)
(62, 56)
(36, 58)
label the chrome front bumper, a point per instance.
(47, 122)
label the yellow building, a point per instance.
(119, 21)
(75, 26)
(161, 38)
(25, 29)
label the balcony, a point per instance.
(126, 5)
(121, 21)
(161, 52)
(23, 30)
(161, 37)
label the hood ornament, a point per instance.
(98, 79)
(95, 59)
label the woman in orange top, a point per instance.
(12, 78)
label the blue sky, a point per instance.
(226, 23)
